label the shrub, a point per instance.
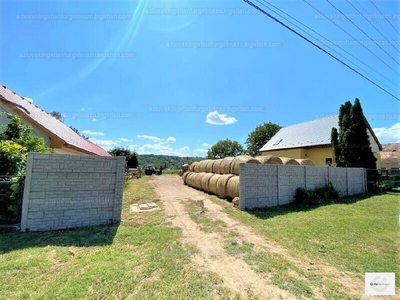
(317, 196)
(386, 184)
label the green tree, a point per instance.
(131, 156)
(57, 115)
(16, 140)
(351, 143)
(225, 148)
(260, 136)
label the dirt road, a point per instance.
(182, 209)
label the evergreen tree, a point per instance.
(351, 144)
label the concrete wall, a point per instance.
(67, 191)
(264, 185)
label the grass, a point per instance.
(357, 236)
(204, 221)
(141, 258)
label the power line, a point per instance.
(361, 30)
(326, 45)
(377, 22)
(373, 26)
(303, 37)
(384, 16)
(316, 9)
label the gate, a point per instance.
(11, 195)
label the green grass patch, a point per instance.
(200, 217)
(141, 258)
(359, 235)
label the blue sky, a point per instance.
(174, 77)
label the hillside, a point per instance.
(166, 161)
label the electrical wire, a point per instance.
(373, 26)
(361, 30)
(306, 39)
(316, 9)
(384, 17)
(328, 46)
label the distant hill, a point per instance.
(168, 161)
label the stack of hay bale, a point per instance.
(221, 176)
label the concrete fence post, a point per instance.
(277, 181)
(27, 189)
(305, 178)
(347, 181)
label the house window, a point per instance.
(328, 161)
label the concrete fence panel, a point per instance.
(263, 185)
(66, 191)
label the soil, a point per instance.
(238, 276)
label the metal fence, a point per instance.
(379, 175)
(11, 195)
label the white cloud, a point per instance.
(388, 135)
(94, 120)
(105, 144)
(206, 145)
(149, 137)
(171, 139)
(132, 147)
(92, 132)
(28, 99)
(216, 118)
(161, 148)
(125, 140)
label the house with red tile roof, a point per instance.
(57, 135)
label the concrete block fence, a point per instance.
(263, 185)
(67, 191)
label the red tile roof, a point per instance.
(37, 116)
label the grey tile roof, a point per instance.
(310, 133)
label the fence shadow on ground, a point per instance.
(79, 237)
(270, 212)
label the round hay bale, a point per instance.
(216, 166)
(269, 160)
(236, 201)
(232, 188)
(180, 173)
(209, 166)
(225, 165)
(184, 176)
(289, 161)
(201, 167)
(234, 169)
(197, 180)
(221, 185)
(305, 162)
(212, 183)
(193, 166)
(187, 178)
(205, 180)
